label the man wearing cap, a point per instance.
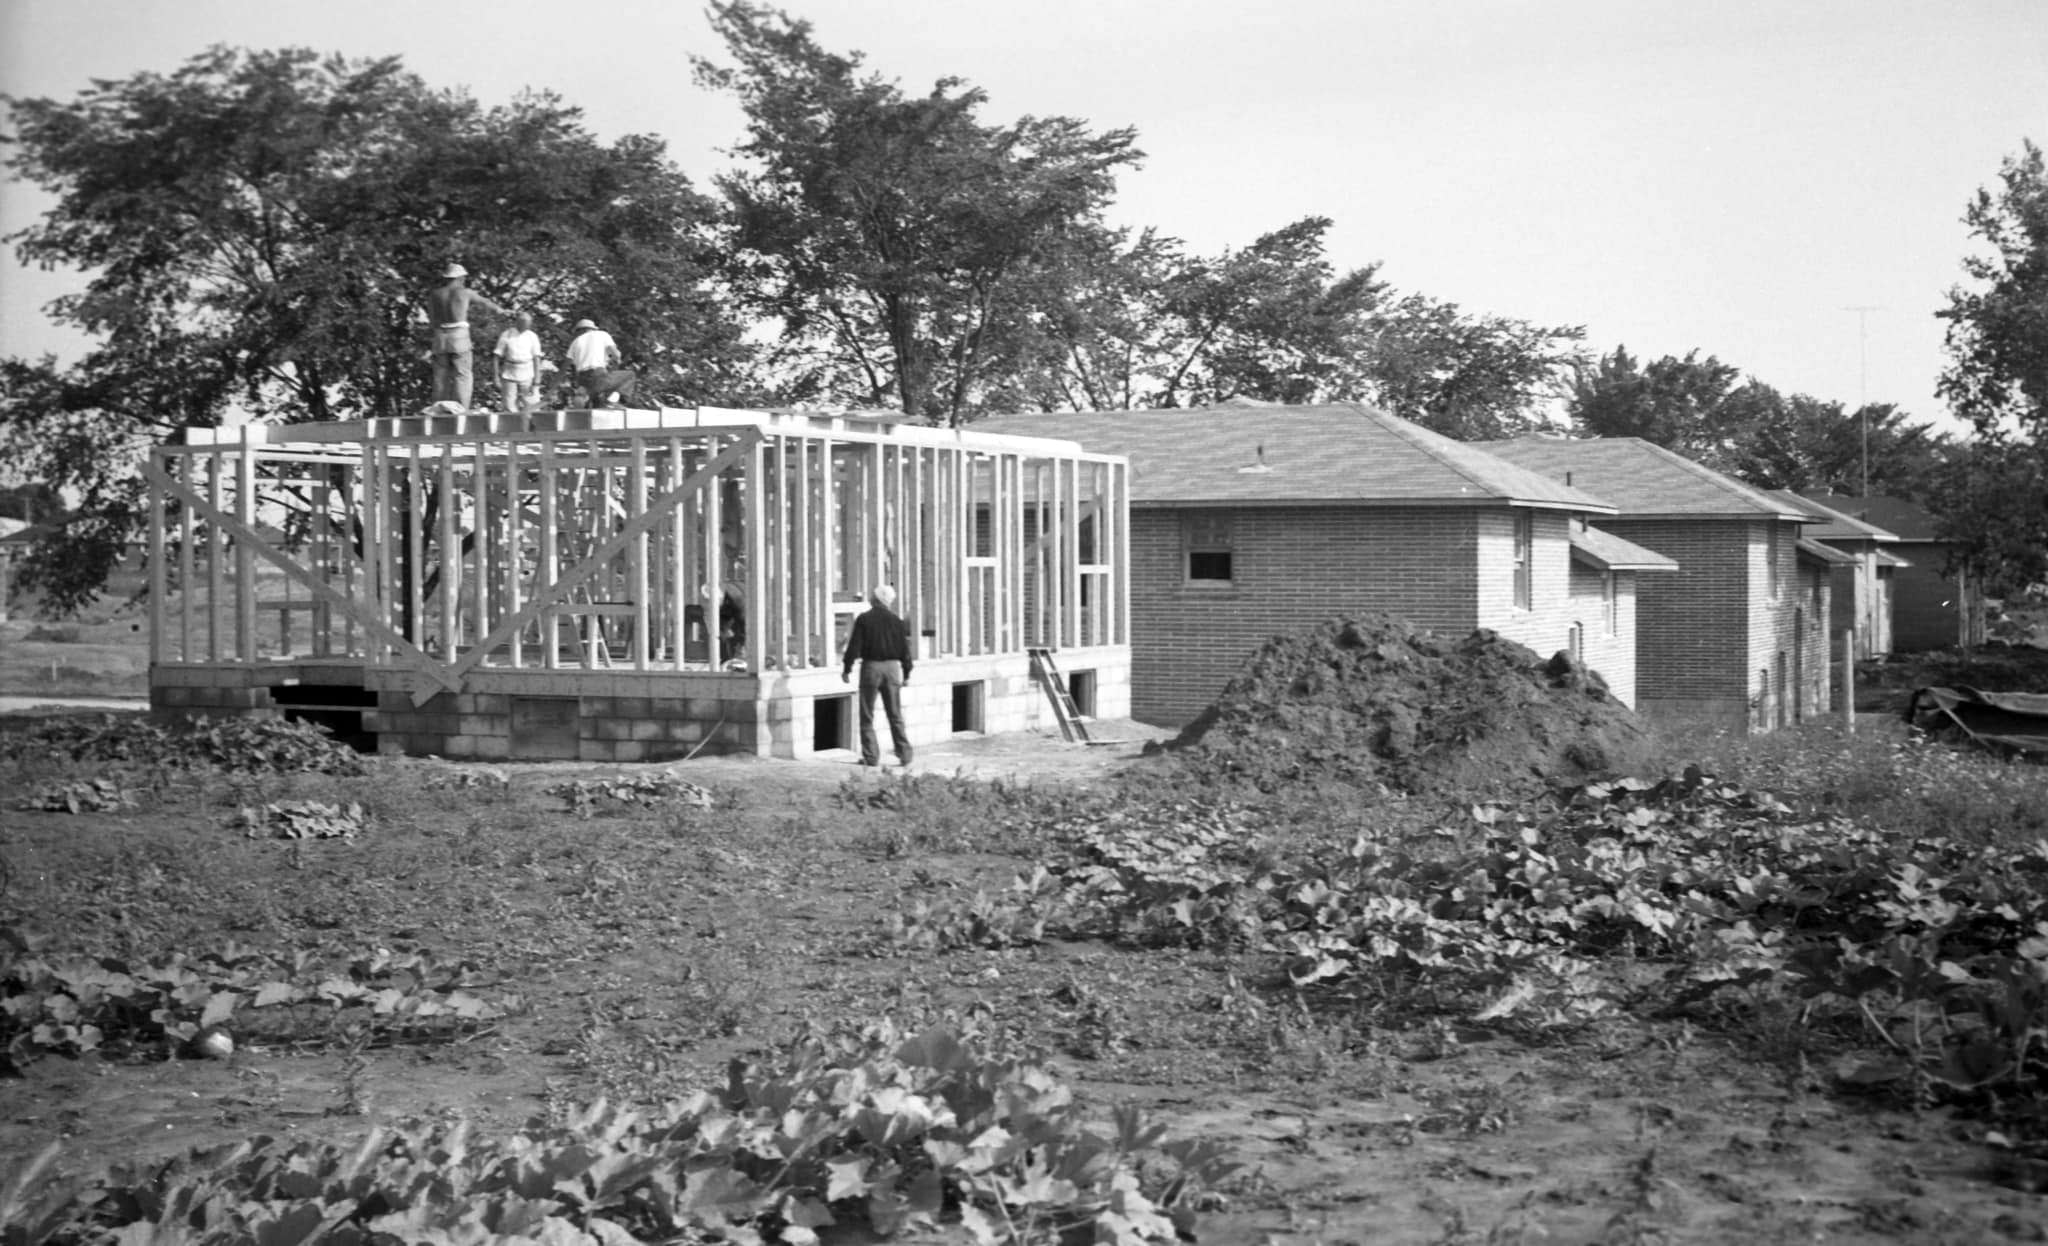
(448, 307)
(593, 356)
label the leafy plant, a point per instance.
(104, 795)
(661, 790)
(70, 1005)
(301, 819)
(1937, 948)
(249, 745)
(870, 1131)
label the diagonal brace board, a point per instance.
(657, 510)
(254, 541)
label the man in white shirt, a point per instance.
(594, 362)
(519, 363)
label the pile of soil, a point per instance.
(1375, 701)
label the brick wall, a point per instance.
(1787, 633)
(1449, 569)
(1609, 644)
(1292, 567)
(1562, 593)
(1690, 656)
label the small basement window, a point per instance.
(968, 702)
(832, 722)
(1081, 691)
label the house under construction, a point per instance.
(631, 585)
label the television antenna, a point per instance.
(1863, 383)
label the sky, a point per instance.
(1736, 177)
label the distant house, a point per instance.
(1251, 520)
(1932, 607)
(1862, 590)
(1738, 637)
(12, 546)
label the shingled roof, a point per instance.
(1906, 521)
(1834, 525)
(1261, 454)
(1608, 552)
(1644, 480)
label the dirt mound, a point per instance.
(1373, 700)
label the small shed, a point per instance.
(624, 585)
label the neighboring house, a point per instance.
(1738, 637)
(1862, 590)
(1252, 520)
(12, 545)
(1932, 607)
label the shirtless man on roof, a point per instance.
(448, 307)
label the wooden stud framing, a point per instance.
(636, 506)
(627, 528)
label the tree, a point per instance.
(1997, 338)
(904, 249)
(256, 230)
(1145, 325)
(1991, 499)
(1681, 404)
(1705, 410)
(1994, 496)
(1804, 444)
(1472, 377)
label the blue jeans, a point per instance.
(884, 680)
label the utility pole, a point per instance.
(1863, 384)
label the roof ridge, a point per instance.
(1719, 479)
(1401, 428)
(1404, 428)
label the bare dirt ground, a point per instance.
(649, 948)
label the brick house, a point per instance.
(1250, 520)
(1738, 637)
(1862, 591)
(1932, 607)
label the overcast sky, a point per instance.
(1732, 176)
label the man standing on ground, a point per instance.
(593, 356)
(881, 644)
(519, 363)
(448, 307)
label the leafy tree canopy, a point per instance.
(1473, 377)
(1705, 410)
(1145, 324)
(259, 228)
(1994, 502)
(901, 246)
(1997, 338)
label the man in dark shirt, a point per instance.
(881, 644)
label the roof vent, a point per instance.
(1260, 465)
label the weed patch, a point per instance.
(866, 1131)
(255, 745)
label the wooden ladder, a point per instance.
(1072, 729)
